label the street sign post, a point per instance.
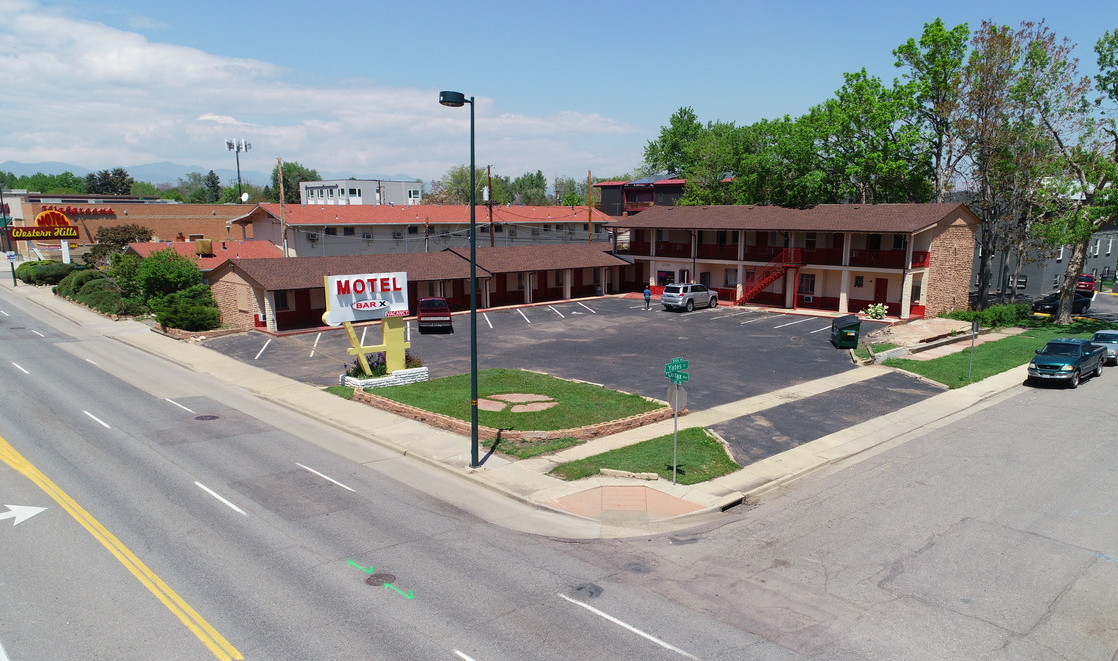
(673, 370)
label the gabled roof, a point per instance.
(307, 272)
(222, 250)
(419, 214)
(901, 218)
(517, 259)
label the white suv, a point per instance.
(688, 296)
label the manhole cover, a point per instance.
(205, 417)
(588, 590)
(380, 579)
(638, 567)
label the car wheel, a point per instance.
(713, 301)
(1098, 369)
(690, 305)
(1073, 382)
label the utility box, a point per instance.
(844, 331)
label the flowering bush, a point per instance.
(876, 311)
(377, 364)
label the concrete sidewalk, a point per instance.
(622, 506)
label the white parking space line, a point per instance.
(486, 315)
(315, 345)
(99, 420)
(363, 331)
(91, 362)
(3, 654)
(820, 330)
(5, 313)
(178, 405)
(261, 352)
(461, 655)
(727, 315)
(791, 323)
(37, 333)
(216, 495)
(588, 308)
(556, 312)
(20, 368)
(406, 326)
(752, 320)
(524, 315)
(325, 477)
(630, 627)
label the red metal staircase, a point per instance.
(768, 274)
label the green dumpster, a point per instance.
(844, 331)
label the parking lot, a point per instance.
(734, 353)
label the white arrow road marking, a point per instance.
(588, 307)
(21, 369)
(20, 513)
(630, 627)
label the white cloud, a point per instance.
(82, 92)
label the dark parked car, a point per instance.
(1051, 303)
(1067, 359)
(434, 314)
(688, 296)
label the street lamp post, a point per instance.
(237, 146)
(457, 100)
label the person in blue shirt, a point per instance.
(647, 298)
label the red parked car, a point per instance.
(434, 314)
(1086, 284)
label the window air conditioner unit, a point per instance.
(535, 231)
(512, 232)
(808, 299)
(367, 236)
(312, 236)
(397, 235)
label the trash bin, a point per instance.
(844, 331)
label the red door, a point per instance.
(881, 290)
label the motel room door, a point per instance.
(881, 290)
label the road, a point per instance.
(991, 536)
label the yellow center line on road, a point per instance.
(197, 625)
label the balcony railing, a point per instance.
(890, 259)
(713, 251)
(671, 249)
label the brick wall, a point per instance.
(166, 221)
(230, 291)
(949, 272)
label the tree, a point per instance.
(570, 191)
(106, 182)
(164, 272)
(293, 174)
(529, 189)
(454, 187)
(112, 240)
(935, 68)
(668, 153)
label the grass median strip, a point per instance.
(992, 358)
(701, 458)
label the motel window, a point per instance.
(413, 194)
(597, 276)
(413, 229)
(280, 298)
(916, 291)
(807, 283)
(809, 241)
(1098, 244)
(1022, 281)
(199, 237)
(900, 241)
(860, 281)
(330, 231)
(355, 191)
(731, 277)
(349, 231)
(558, 278)
(498, 228)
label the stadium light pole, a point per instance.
(238, 145)
(457, 100)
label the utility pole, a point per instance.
(489, 203)
(283, 208)
(589, 212)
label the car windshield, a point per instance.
(1061, 349)
(1109, 338)
(436, 304)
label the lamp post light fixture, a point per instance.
(237, 146)
(457, 100)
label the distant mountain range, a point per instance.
(170, 173)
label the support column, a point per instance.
(906, 294)
(568, 276)
(844, 292)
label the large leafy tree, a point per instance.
(164, 272)
(530, 189)
(109, 182)
(668, 152)
(294, 173)
(112, 239)
(934, 67)
(454, 187)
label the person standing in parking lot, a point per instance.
(647, 298)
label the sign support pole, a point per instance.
(675, 434)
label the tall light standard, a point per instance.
(457, 100)
(238, 145)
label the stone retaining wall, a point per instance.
(397, 378)
(488, 433)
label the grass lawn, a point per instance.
(345, 392)
(863, 353)
(579, 404)
(701, 458)
(995, 357)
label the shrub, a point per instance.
(191, 309)
(165, 272)
(876, 311)
(995, 316)
(73, 283)
(377, 364)
(44, 272)
(123, 269)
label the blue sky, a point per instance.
(350, 87)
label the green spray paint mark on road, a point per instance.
(367, 570)
(410, 594)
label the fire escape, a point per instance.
(787, 258)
